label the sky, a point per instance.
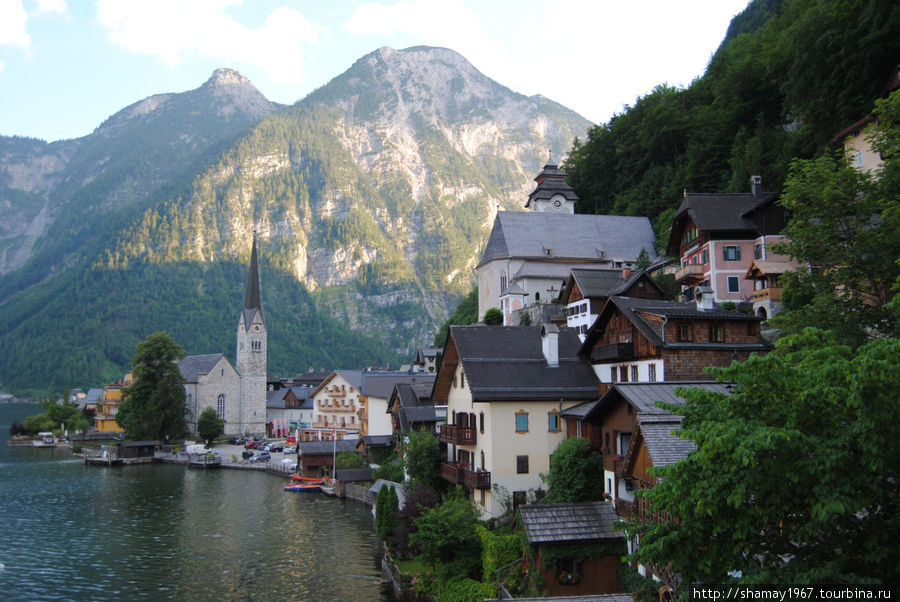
(67, 65)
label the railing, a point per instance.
(473, 479)
(690, 271)
(614, 351)
(771, 294)
(458, 435)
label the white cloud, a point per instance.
(173, 30)
(51, 7)
(13, 22)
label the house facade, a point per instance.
(337, 409)
(289, 409)
(586, 291)
(646, 340)
(504, 388)
(717, 236)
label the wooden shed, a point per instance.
(556, 531)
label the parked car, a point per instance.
(274, 447)
(247, 454)
(262, 456)
(290, 449)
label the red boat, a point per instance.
(315, 480)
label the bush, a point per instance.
(350, 460)
(392, 471)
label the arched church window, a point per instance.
(502, 280)
(220, 406)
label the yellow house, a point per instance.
(105, 419)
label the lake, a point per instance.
(161, 531)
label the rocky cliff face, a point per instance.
(376, 192)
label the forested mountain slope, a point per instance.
(789, 75)
(371, 199)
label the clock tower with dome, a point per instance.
(552, 194)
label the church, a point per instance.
(237, 394)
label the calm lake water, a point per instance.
(71, 532)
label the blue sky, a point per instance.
(66, 65)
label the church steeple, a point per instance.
(252, 348)
(253, 297)
(552, 193)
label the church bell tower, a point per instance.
(251, 354)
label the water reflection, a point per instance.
(162, 532)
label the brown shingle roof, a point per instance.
(560, 523)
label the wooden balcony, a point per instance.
(692, 272)
(615, 352)
(457, 435)
(472, 479)
(767, 294)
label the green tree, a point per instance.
(348, 460)
(154, 406)
(422, 459)
(466, 313)
(845, 230)
(445, 538)
(386, 507)
(795, 476)
(493, 317)
(210, 425)
(576, 472)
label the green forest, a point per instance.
(788, 77)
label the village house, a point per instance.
(556, 532)
(316, 458)
(505, 387)
(411, 409)
(529, 255)
(648, 340)
(854, 137)
(289, 409)
(352, 403)
(613, 417)
(105, 418)
(716, 238)
(586, 291)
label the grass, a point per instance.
(412, 567)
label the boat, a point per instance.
(316, 480)
(44, 439)
(302, 487)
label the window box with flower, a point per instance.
(569, 577)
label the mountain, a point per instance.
(372, 198)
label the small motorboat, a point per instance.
(316, 480)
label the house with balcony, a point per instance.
(337, 410)
(377, 386)
(586, 291)
(648, 340)
(717, 236)
(505, 387)
(105, 418)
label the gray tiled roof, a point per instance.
(722, 211)
(568, 237)
(377, 440)
(643, 396)
(408, 416)
(381, 384)
(252, 296)
(663, 446)
(192, 366)
(559, 523)
(507, 363)
(319, 448)
(275, 399)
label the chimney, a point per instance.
(756, 186)
(550, 344)
(626, 273)
(704, 298)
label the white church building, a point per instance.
(237, 394)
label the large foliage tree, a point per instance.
(796, 475)
(845, 230)
(154, 405)
(576, 472)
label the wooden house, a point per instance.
(316, 458)
(646, 340)
(553, 531)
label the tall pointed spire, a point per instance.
(253, 298)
